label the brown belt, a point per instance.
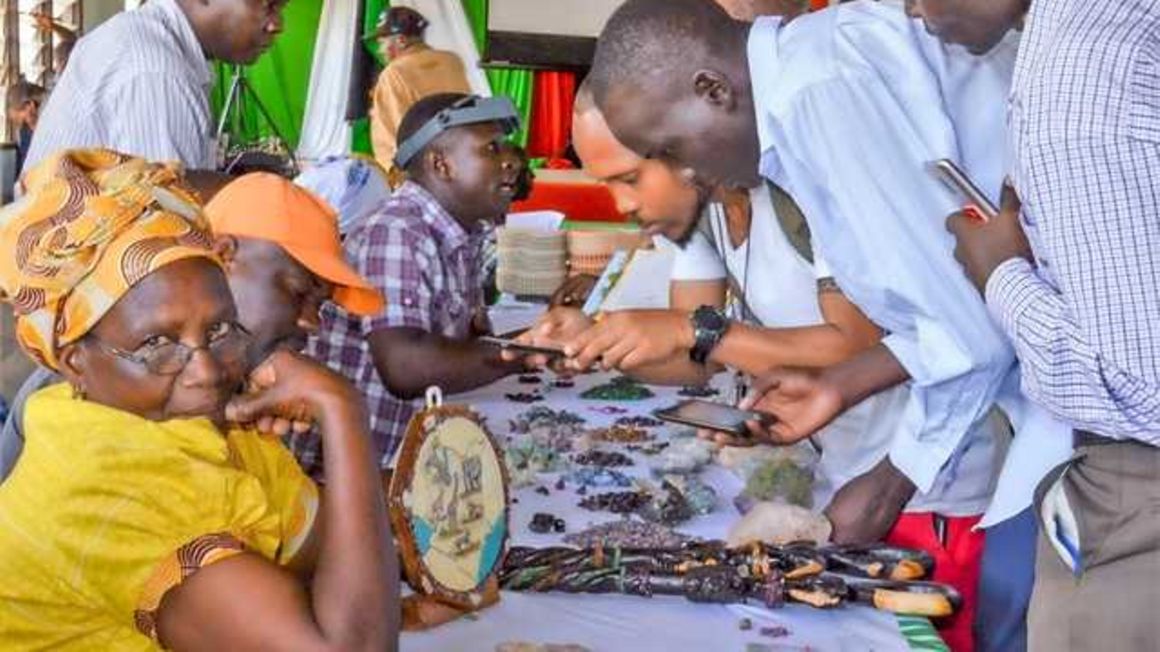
(1086, 438)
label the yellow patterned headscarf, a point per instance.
(92, 224)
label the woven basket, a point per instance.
(590, 251)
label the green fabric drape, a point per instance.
(476, 11)
(280, 78)
(516, 83)
(360, 130)
(370, 22)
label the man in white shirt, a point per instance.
(749, 10)
(784, 309)
(140, 83)
(845, 108)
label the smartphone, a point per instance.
(954, 177)
(713, 416)
(518, 347)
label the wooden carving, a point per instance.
(448, 503)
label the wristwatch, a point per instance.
(709, 326)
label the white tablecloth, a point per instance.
(609, 623)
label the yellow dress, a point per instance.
(106, 511)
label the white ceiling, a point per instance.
(558, 17)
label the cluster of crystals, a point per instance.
(617, 502)
(621, 388)
(628, 533)
(603, 459)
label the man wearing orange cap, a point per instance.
(283, 260)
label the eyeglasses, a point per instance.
(227, 344)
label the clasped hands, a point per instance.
(625, 340)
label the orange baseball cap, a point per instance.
(267, 207)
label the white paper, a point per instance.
(535, 220)
(644, 283)
(509, 315)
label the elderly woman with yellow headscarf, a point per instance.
(138, 517)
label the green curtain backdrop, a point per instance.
(280, 78)
(370, 22)
(476, 11)
(360, 130)
(516, 83)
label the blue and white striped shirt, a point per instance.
(1085, 133)
(138, 84)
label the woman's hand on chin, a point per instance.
(289, 392)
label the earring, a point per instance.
(78, 393)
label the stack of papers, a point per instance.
(532, 252)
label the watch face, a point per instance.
(710, 319)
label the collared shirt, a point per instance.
(853, 103)
(781, 291)
(138, 84)
(12, 435)
(427, 267)
(407, 80)
(1085, 133)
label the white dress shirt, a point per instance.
(853, 103)
(138, 84)
(781, 291)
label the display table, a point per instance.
(610, 623)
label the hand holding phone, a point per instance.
(956, 179)
(521, 348)
(714, 416)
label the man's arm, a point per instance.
(408, 354)
(684, 296)
(409, 360)
(881, 227)
(1090, 349)
(807, 400)
(636, 340)
(844, 333)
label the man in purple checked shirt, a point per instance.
(423, 250)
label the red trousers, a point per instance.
(956, 563)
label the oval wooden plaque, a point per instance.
(448, 503)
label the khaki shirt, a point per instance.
(407, 80)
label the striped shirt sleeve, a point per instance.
(1089, 348)
(1085, 133)
(164, 118)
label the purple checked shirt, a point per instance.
(428, 268)
(1085, 132)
